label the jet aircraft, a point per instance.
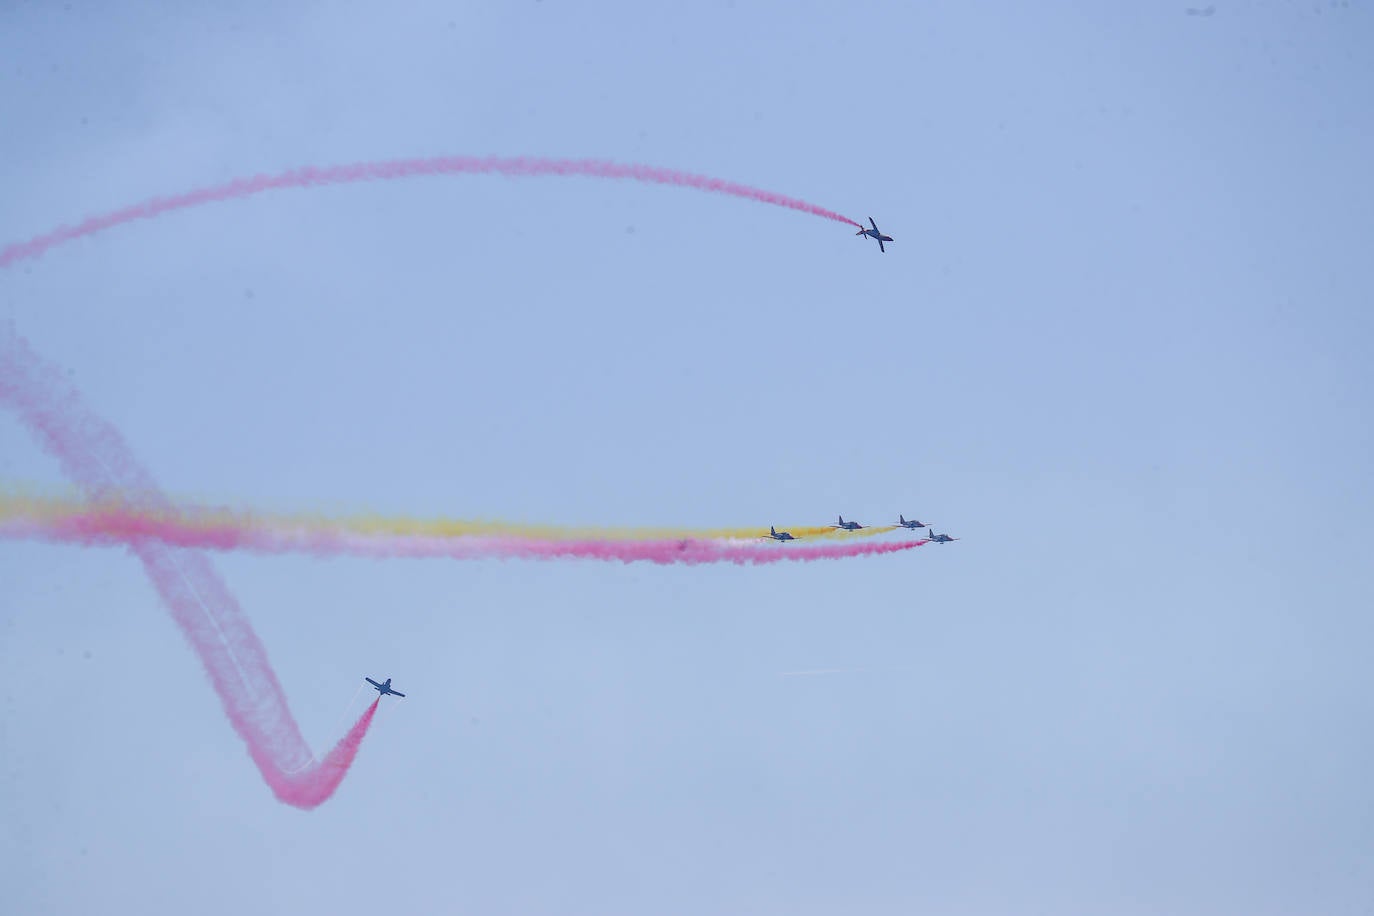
(848, 526)
(384, 688)
(777, 535)
(940, 538)
(911, 524)
(875, 234)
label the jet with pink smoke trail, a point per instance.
(384, 688)
(94, 457)
(875, 233)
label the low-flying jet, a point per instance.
(911, 524)
(875, 234)
(848, 526)
(940, 538)
(777, 535)
(384, 688)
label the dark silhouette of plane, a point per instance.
(940, 538)
(875, 234)
(848, 526)
(384, 688)
(911, 524)
(778, 535)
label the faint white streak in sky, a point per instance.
(817, 672)
(813, 672)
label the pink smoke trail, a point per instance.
(94, 457)
(313, 785)
(109, 525)
(311, 176)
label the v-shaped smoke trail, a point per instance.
(94, 457)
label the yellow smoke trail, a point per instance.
(50, 510)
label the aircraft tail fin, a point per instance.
(772, 531)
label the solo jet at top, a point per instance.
(875, 234)
(911, 524)
(939, 538)
(384, 688)
(778, 535)
(848, 526)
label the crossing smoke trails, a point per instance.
(115, 523)
(94, 457)
(311, 176)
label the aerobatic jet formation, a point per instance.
(901, 520)
(939, 538)
(777, 535)
(875, 234)
(848, 526)
(384, 688)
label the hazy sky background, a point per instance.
(1120, 345)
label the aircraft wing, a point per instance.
(880, 246)
(397, 693)
(873, 224)
(372, 682)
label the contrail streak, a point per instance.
(813, 672)
(118, 521)
(312, 176)
(94, 457)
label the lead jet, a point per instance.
(911, 524)
(940, 538)
(778, 535)
(384, 688)
(848, 526)
(875, 234)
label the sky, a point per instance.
(1119, 346)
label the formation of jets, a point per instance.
(902, 522)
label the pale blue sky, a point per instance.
(1120, 345)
